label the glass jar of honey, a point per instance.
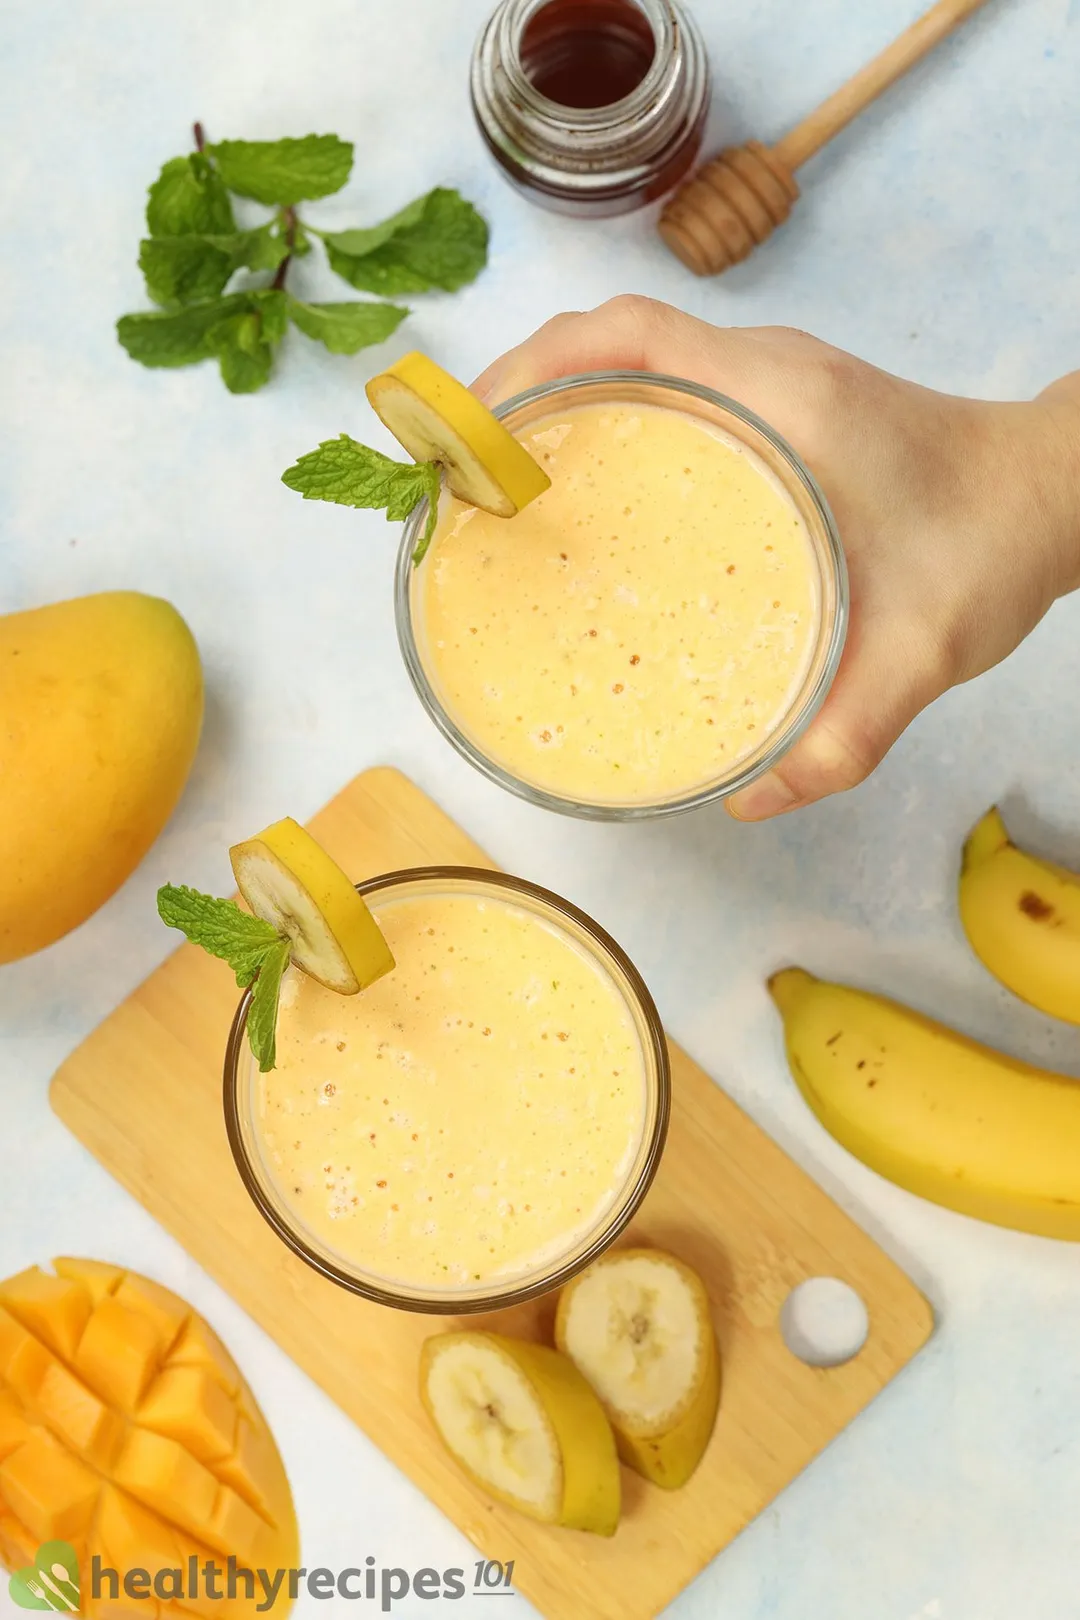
(591, 107)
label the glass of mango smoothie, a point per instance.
(476, 1126)
(651, 633)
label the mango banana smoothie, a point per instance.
(639, 631)
(471, 1116)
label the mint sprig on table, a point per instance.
(352, 474)
(256, 952)
(194, 248)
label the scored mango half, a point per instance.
(127, 1430)
(289, 880)
(436, 418)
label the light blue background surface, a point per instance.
(940, 238)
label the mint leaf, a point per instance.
(351, 474)
(244, 359)
(271, 304)
(189, 269)
(437, 241)
(244, 343)
(241, 330)
(188, 196)
(286, 171)
(346, 328)
(261, 248)
(179, 338)
(263, 1006)
(183, 269)
(358, 243)
(220, 927)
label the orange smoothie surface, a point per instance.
(471, 1114)
(637, 630)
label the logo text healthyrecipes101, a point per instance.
(197, 1579)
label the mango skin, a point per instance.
(101, 706)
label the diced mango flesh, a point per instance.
(27, 1365)
(199, 1346)
(157, 1304)
(14, 1428)
(126, 1429)
(119, 1354)
(99, 1278)
(187, 1404)
(246, 1470)
(236, 1528)
(48, 1489)
(17, 1545)
(76, 1416)
(131, 1536)
(162, 1475)
(53, 1309)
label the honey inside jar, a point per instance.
(587, 53)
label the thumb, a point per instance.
(880, 688)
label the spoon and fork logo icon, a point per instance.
(50, 1582)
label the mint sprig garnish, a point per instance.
(263, 1008)
(352, 474)
(257, 953)
(194, 248)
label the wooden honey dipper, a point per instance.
(740, 196)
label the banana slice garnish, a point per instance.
(436, 418)
(290, 882)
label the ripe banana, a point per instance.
(525, 1426)
(637, 1325)
(1022, 918)
(290, 882)
(934, 1111)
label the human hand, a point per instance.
(960, 518)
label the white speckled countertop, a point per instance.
(940, 238)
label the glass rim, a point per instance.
(786, 734)
(653, 1046)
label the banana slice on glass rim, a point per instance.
(289, 880)
(637, 1325)
(436, 418)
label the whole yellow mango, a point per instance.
(130, 1442)
(101, 703)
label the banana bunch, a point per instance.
(636, 1375)
(937, 1113)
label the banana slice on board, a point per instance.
(524, 1425)
(290, 882)
(637, 1325)
(436, 418)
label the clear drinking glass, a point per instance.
(716, 410)
(586, 937)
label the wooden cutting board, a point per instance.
(144, 1094)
